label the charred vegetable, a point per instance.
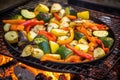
(44, 16)
(27, 51)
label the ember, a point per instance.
(21, 71)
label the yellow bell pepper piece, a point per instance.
(41, 8)
(83, 15)
(31, 35)
(68, 40)
(54, 46)
(59, 32)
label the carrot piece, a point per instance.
(18, 21)
(71, 17)
(20, 27)
(13, 27)
(17, 27)
(56, 21)
(57, 16)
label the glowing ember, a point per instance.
(36, 72)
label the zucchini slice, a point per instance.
(98, 53)
(100, 33)
(11, 36)
(27, 14)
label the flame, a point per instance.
(54, 75)
(4, 59)
(10, 71)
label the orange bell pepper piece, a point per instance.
(69, 39)
(17, 21)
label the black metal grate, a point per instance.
(96, 70)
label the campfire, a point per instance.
(11, 74)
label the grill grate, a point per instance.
(96, 70)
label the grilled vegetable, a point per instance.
(22, 38)
(17, 17)
(53, 46)
(41, 8)
(98, 53)
(59, 32)
(17, 21)
(44, 16)
(6, 27)
(65, 19)
(68, 40)
(64, 24)
(11, 36)
(27, 14)
(52, 26)
(56, 15)
(31, 23)
(100, 33)
(82, 47)
(78, 35)
(84, 55)
(107, 41)
(43, 44)
(49, 35)
(37, 28)
(37, 53)
(31, 35)
(16, 27)
(82, 41)
(62, 13)
(83, 15)
(55, 56)
(27, 51)
(70, 11)
(64, 52)
(56, 7)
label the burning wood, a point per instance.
(38, 74)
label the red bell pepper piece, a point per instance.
(103, 46)
(84, 55)
(49, 35)
(30, 23)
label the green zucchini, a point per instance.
(17, 16)
(70, 11)
(101, 33)
(27, 14)
(98, 53)
(44, 16)
(64, 52)
(44, 45)
(107, 41)
(78, 35)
